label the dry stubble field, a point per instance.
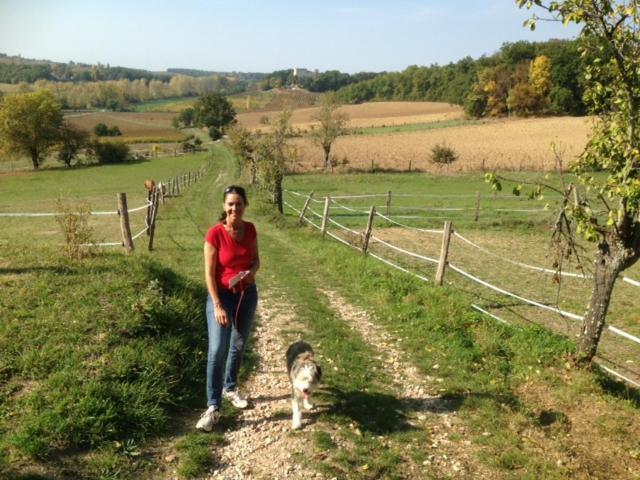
(372, 114)
(509, 144)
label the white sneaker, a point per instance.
(208, 419)
(235, 398)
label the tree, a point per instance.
(273, 152)
(30, 124)
(110, 152)
(72, 141)
(612, 91)
(214, 110)
(332, 125)
(185, 118)
(101, 130)
(522, 100)
(266, 154)
(243, 144)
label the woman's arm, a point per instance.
(255, 266)
(210, 255)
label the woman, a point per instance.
(231, 261)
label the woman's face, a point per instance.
(233, 206)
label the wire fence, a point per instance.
(358, 239)
(157, 193)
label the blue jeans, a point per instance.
(226, 344)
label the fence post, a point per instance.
(444, 252)
(325, 215)
(306, 205)
(388, 203)
(477, 206)
(123, 211)
(147, 218)
(163, 187)
(154, 214)
(367, 233)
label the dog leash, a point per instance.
(235, 317)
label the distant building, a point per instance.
(300, 73)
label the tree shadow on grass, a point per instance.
(381, 413)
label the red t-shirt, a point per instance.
(232, 257)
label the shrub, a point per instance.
(101, 130)
(215, 133)
(73, 219)
(110, 152)
(442, 154)
(114, 131)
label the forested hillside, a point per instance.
(484, 85)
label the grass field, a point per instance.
(173, 105)
(143, 127)
(110, 388)
(98, 186)
(511, 228)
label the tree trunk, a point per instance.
(278, 195)
(35, 160)
(327, 161)
(608, 265)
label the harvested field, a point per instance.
(273, 100)
(9, 87)
(509, 144)
(136, 127)
(373, 114)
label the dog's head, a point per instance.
(306, 376)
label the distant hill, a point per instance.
(193, 72)
(16, 69)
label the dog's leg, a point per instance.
(296, 423)
(306, 402)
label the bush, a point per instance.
(215, 133)
(73, 220)
(442, 154)
(110, 152)
(101, 130)
(114, 131)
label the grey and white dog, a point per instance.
(305, 375)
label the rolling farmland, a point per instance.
(372, 114)
(510, 144)
(136, 127)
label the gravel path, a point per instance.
(425, 410)
(263, 445)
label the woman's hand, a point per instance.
(250, 278)
(221, 315)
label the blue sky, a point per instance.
(261, 36)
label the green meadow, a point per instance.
(102, 359)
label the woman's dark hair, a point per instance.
(232, 189)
